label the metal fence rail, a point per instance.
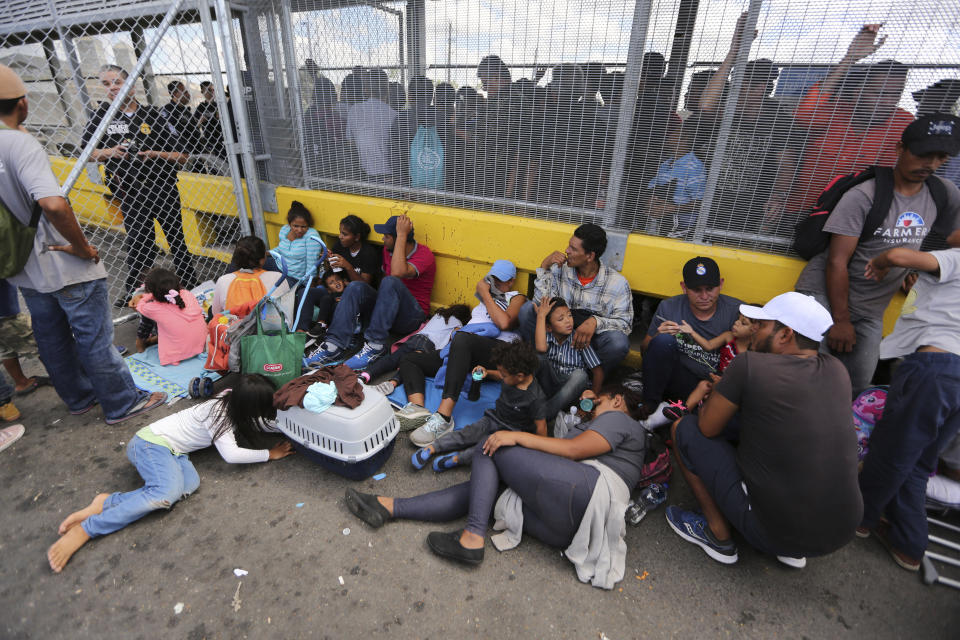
(601, 110)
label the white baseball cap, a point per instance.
(800, 312)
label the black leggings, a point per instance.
(466, 352)
(555, 492)
(415, 367)
(391, 361)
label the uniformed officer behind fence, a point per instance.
(142, 153)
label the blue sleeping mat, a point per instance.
(465, 412)
(174, 379)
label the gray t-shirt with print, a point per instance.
(931, 314)
(910, 219)
(25, 177)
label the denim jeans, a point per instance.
(862, 361)
(611, 346)
(921, 417)
(167, 478)
(665, 377)
(561, 392)
(391, 308)
(74, 335)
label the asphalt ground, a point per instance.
(314, 571)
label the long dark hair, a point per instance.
(459, 311)
(356, 226)
(249, 252)
(160, 283)
(245, 409)
(298, 210)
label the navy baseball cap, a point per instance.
(701, 271)
(389, 228)
(936, 133)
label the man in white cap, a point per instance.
(789, 484)
(922, 413)
(62, 282)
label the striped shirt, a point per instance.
(301, 255)
(607, 296)
(566, 359)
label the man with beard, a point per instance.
(836, 276)
(789, 407)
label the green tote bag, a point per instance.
(278, 356)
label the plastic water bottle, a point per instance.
(649, 499)
(474, 394)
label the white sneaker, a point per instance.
(433, 428)
(795, 563)
(10, 435)
(412, 416)
(386, 388)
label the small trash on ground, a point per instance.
(300, 505)
(236, 598)
(56, 421)
(340, 578)
(380, 476)
(346, 531)
(178, 608)
(240, 572)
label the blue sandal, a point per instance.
(447, 462)
(420, 458)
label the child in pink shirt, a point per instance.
(174, 313)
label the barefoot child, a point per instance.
(563, 367)
(731, 343)
(174, 314)
(159, 452)
(520, 407)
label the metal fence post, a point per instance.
(216, 76)
(225, 22)
(726, 122)
(628, 104)
(118, 102)
(293, 78)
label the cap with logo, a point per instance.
(701, 271)
(936, 133)
(800, 312)
(11, 86)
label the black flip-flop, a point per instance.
(141, 407)
(38, 381)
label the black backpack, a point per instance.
(809, 238)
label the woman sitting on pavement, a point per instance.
(590, 472)
(249, 282)
(496, 315)
(352, 255)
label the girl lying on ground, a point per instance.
(568, 492)
(159, 452)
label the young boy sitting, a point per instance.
(731, 343)
(563, 367)
(334, 282)
(520, 407)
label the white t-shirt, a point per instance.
(931, 312)
(368, 127)
(480, 314)
(440, 331)
(25, 177)
(192, 429)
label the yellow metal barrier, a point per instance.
(465, 242)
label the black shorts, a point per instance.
(714, 461)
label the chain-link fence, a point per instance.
(660, 118)
(705, 120)
(155, 187)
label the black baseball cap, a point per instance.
(947, 90)
(700, 271)
(936, 133)
(760, 71)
